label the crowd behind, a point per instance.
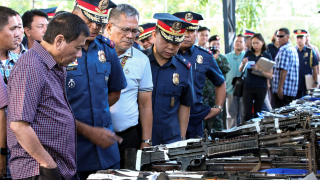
(80, 88)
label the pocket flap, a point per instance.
(103, 68)
(76, 72)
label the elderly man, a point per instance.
(93, 85)
(35, 24)
(135, 99)
(42, 134)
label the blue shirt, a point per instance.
(306, 62)
(234, 62)
(167, 96)
(253, 80)
(287, 59)
(272, 50)
(203, 65)
(98, 72)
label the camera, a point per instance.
(213, 49)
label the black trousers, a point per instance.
(282, 102)
(130, 140)
(251, 94)
(47, 174)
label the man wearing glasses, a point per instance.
(94, 83)
(286, 72)
(135, 99)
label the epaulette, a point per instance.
(204, 49)
(106, 40)
(184, 61)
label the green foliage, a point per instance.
(248, 15)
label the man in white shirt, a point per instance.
(136, 98)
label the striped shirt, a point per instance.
(37, 95)
(287, 59)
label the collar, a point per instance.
(305, 48)
(128, 53)
(189, 50)
(172, 61)
(285, 45)
(44, 54)
(13, 56)
(235, 54)
(23, 49)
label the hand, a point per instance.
(50, 165)
(213, 112)
(143, 145)
(268, 86)
(216, 55)
(3, 167)
(103, 138)
(244, 61)
(280, 93)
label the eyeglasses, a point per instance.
(126, 31)
(281, 36)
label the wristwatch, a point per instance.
(183, 138)
(3, 151)
(148, 141)
(217, 106)
(316, 82)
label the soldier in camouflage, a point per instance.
(218, 122)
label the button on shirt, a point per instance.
(305, 66)
(166, 127)
(287, 59)
(253, 80)
(234, 62)
(125, 112)
(37, 95)
(98, 73)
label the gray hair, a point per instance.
(126, 9)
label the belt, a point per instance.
(127, 131)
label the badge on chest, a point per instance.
(102, 56)
(175, 78)
(71, 84)
(199, 59)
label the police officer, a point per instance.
(307, 62)
(93, 84)
(173, 92)
(145, 37)
(248, 35)
(203, 65)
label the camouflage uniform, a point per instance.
(215, 123)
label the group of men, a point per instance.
(76, 93)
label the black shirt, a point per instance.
(272, 50)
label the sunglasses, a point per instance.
(281, 36)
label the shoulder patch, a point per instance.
(106, 41)
(184, 61)
(204, 49)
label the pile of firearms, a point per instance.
(283, 138)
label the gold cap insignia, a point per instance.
(175, 78)
(218, 38)
(102, 56)
(177, 25)
(103, 5)
(199, 59)
(141, 29)
(299, 31)
(189, 17)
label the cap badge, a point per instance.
(141, 29)
(175, 78)
(103, 5)
(299, 31)
(177, 25)
(189, 17)
(199, 59)
(102, 56)
(218, 38)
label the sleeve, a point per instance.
(315, 61)
(145, 83)
(3, 94)
(117, 80)
(268, 56)
(247, 54)
(214, 73)
(283, 59)
(188, 96)
(25, 90)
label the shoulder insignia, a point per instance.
(106, 41)
(204, 49)
(184, 61)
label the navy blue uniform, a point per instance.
(207, 67)
(305, 67)
(167, 97)
(98, 72)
